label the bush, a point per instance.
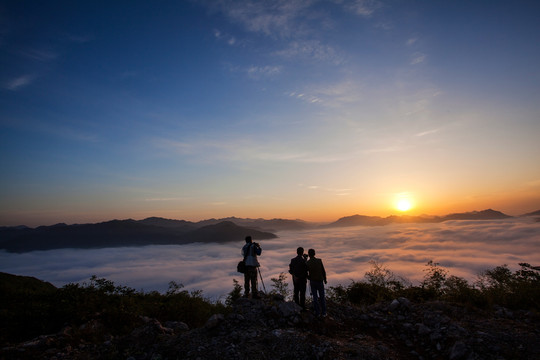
(498, 286)
(366, 294)
(520, 289)
(234, 294)
(434, 279)
(279, 285)
(25, 314)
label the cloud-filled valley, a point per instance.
(465, 248)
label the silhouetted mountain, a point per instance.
(170, 223)
(119, 233)
(10, 283)
(227, 231)
(488, 214)
(534, 213)
(357, 220)
(262, 224)
(19, 227)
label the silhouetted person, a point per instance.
(299, 271)
(250, 251)
(316, 276)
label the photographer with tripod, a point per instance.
(250, 251)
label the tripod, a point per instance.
(262, 282)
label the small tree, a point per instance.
(380, 276)
(280, 286)
(174, 288)
(500, 278)
(434, 279)
(235, 293)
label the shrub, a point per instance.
(234, 294)
(338, 294)
(380, 276)
(364, 293)
(457, 289)
(280, 286)
(434, 279)
(520, 289)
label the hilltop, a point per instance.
(181, 325)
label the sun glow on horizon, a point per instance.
(404, 202)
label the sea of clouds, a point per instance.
(464, 248)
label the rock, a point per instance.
(289, 309)
(423, 329)
(214, 321)
(459, 350)
(177, 326)
(145, 332)
(404, 302)
(393, 305)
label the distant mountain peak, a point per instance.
(534, 213)
(358, 220)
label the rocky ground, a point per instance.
(270, 328)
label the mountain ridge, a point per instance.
(162, 231)
(280, 224)
(120, 233)
(356, 220)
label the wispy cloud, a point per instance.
(19, 82)
(229, 39)
(418, 58)
(361, 7)
(312, 49)
(165, 199)
(241, 150)
(427, 132)
(337, 192)
(312, 99)
(388, 149)
(272, 18)
(295, 157)
(42, 55)
(255, 72)
(331, 95)
(412, 41)
(258, 72)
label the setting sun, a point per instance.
(404, 202)
(403, 205)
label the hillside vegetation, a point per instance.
(101, 319)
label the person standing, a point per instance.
(299, 271)
(250, 251)
(316, 276)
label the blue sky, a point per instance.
(294, 109)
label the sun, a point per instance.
(403, 205)
(403, 202)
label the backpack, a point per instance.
(241, 267)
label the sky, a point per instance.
(463, 248)
(275, 109)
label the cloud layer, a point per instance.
(465, 248)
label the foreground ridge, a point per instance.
(271, 328)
